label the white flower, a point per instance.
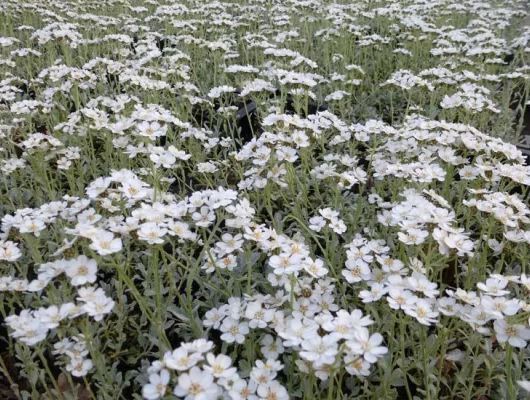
(62, 346)
(516, 335)
(81, 270)
(420, 283)
(356, 271)
(320, 350)
(229, 244)
(51, 316)
(34, 226)
(152, 233)
(207, 167)
(181, 359)
(258, 316)
(316, 223)
(494, 287)
(315, 268)
(243, 390)
(235, 308)
(37, 285)
(213, 318)
(234, 331)
(377, 290)
(165, 159)
(422, 310)
(105, 243)
(328, 213)
(204, 218)
(33, 332)
(262, 375)
(9, 251)
(460, 243)
(499, 306)
(286, 153)
(286, 263)
(157, 385)
(337, 225)
(98, 308)
(356, 365)
(357, 254)
(216, 92)
(271, 349)
(366, 345)
(199, 346)
(413, 236)
(337, 95)
(79, 367)
(400, 298)
(272, 390)
(219, 366)
(196, 385)
(448, 306)
(180, 154)
(151, 130)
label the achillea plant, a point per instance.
(264, 200)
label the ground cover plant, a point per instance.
(264, 199)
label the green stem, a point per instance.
(402, 328)
(423, 344)
(49, 372)
(511, 394)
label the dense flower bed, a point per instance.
(264, 200)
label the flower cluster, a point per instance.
(33, 326)
(199, 374)
(265, 200)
